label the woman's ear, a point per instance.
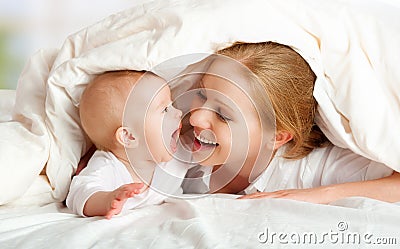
(281, 138)
(126, 137)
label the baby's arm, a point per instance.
(102, 188)
(111, 203)
(384, 189)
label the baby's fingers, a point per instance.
(111, 213)
(128, 190)
(134, 186)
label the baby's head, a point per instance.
(105, 100)
(102, 105)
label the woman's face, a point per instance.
(225, 123)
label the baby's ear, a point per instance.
(126, 137)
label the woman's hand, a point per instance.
(383, 189)
(321, 195)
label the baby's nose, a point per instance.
(178, 113)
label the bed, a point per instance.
(353, 48)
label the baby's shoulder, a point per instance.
(101, 159)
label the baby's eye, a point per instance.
(166, 109)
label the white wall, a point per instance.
(28, 25)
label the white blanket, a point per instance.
(352, 46)
(211, 222)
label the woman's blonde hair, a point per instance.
(288, 81)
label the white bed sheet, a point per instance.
(211, 222)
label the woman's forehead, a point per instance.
(224, 87)
(229, 69)
(222, 90)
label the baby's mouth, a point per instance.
(174, 139)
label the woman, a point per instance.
(304, 165)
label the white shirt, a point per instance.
(323, 166)
(105, 172)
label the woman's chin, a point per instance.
(205, 160)
(163, 156)
(165, 159)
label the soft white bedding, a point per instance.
(353, 47)
(210, 222)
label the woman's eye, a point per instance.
(201, 94)
(222, 117)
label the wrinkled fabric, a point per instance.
(211, 222)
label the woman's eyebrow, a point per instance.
(224, 104)
(201, 84)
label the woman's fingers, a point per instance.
(259, 195)
(313, 195)
(275, 194)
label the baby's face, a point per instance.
(153, 118)
(162, 124)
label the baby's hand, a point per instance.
(118, 197)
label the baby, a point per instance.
(141, 131)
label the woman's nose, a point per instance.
(201, 118)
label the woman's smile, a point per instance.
(201, 143)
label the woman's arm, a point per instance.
(384, 189)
